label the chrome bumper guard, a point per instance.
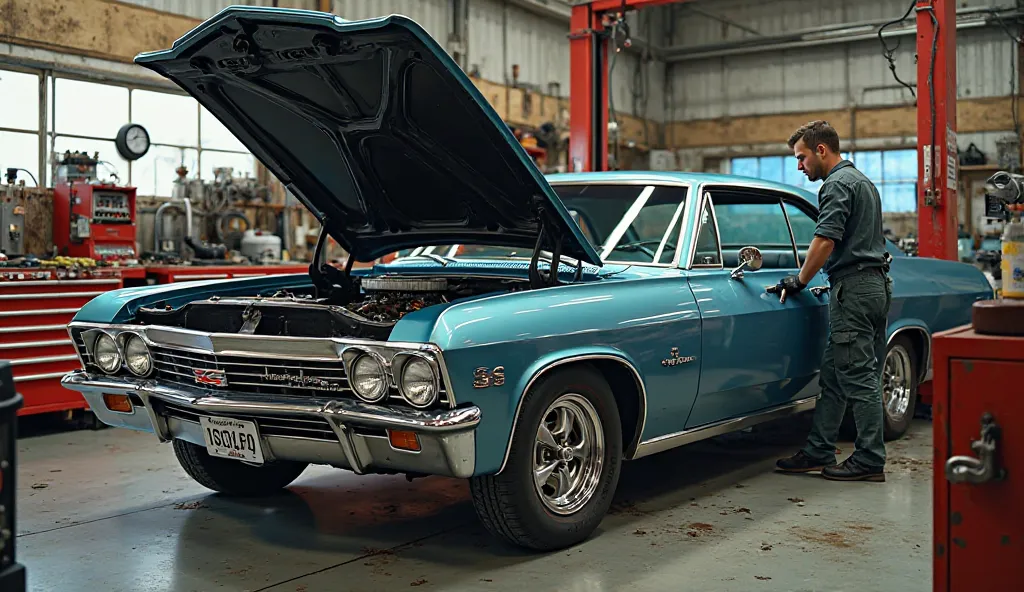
(343, 433)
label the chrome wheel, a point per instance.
(896, 383)
(568, 455)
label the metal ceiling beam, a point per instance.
(829, 35)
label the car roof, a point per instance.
(677, 177)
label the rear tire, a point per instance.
(232, 477)
(900, 379)
(569, 500)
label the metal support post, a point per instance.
(936, 129)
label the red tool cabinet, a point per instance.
(35, 309)
(979, 461)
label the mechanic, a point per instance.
(849, 245)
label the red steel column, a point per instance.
(936, 134)
(588, 93)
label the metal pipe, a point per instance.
(818, 36)
(158, 222)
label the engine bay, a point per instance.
(371, 311)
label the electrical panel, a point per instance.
(111, 207)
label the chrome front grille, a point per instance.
(310, 428)
(257, 375)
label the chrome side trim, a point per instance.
(51, 311)
(642, 415)
(669, 441)
(925, 368)
(47, 343)
(324, 349)
(52, 295)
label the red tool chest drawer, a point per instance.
(35, 309)
(979, 461)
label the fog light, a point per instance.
(119, 403)
(402, 440)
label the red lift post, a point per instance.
(937, 177)
(937, 210)
(588, 88)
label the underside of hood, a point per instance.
(373, 127)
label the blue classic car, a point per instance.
(534, 333)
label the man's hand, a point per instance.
(792, 284)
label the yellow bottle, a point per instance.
(1013, 260)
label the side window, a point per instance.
(757, 221)
(803, 226)
(706, 253)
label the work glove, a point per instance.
(792, 284)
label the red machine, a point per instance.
(94, 220)
(979, 461)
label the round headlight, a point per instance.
(368, 379)
(419, 387)
(136, 356)
(104, 351)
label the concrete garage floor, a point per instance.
(111, 510)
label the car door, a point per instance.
(757, 352)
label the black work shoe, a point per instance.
(850, 470)
(799, 463)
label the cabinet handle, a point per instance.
(967, 469)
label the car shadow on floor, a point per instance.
(364, 516)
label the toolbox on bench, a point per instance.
(12, 575)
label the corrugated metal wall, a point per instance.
(500, 34)
(820, 77)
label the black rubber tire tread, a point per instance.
(232, 477)
(504, 513)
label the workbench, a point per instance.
(978, 521)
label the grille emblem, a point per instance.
(311, 382)
(210, 377)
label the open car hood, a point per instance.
(373, 127)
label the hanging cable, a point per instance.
(27, 172)
(888, 52)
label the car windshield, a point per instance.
(625, 223)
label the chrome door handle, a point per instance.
(819, 290)
(967, 469)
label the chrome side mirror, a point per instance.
(749, 258)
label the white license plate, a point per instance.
(232, 438)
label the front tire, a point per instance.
(232, 477)
(899, 388)
(563, 466)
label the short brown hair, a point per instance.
(814, 133)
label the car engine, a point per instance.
(371, 314)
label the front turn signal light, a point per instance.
(404, 440)
(119, 403)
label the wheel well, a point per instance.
(628, 392)
(921, 342)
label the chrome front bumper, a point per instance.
(343, 433)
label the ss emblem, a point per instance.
(485, 377)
